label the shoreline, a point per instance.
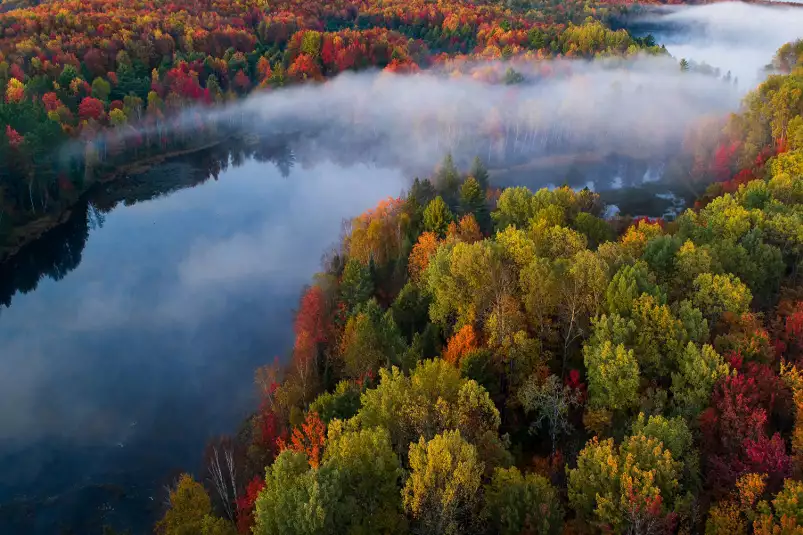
(34, 230)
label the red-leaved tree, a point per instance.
(734, 429)
(245, 505)
(91, 108)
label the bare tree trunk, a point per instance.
(220, 483)
(232, 473)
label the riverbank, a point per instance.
(34, 230)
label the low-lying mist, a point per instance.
(640, 107)
(731, 36)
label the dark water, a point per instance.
(114, 377)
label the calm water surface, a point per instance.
(116, 375)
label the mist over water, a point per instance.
(642, 105)
(118, 372)
(731, 36)
(116, 375)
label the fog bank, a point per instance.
(642, 106)
(731, 36)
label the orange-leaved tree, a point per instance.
(459, 345)
(422, 251)
(309, 438)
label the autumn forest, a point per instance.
(470, 358)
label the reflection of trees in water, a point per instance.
(285, 160)
(59, 250)
(53, 255)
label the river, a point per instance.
(114, 377)
(130, 333)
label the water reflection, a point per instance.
(59, 251)
(140, 343)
